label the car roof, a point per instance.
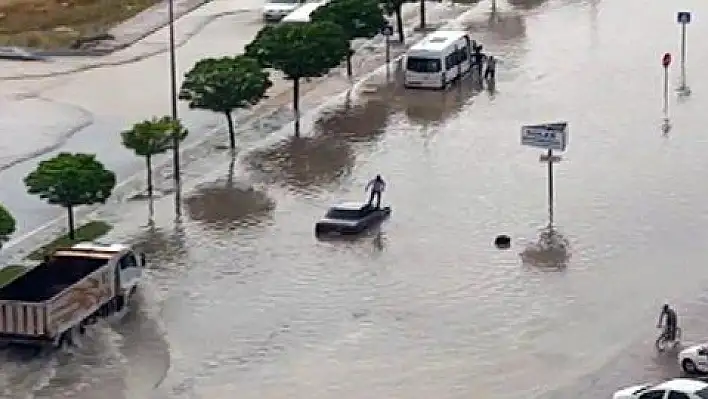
(682, 384)
(348, 206)
(438, 41)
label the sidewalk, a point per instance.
(144, 40)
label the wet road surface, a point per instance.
(243, 300)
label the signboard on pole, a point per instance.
(683, 17)
(387, 30)
(550, 136)
(666, 60)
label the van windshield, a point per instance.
(425, 65)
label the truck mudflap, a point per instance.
(22, 318)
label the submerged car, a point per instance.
(351, 219)
(694, 359)
(678, 388)
(275, 10)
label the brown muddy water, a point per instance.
(242, 300)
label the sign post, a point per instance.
(683, 18)
(549, 136)
(665, 62)
(387, 31)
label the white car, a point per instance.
(275, 10)
(694, 359)
(678, 388)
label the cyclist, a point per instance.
(671, 322)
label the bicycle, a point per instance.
(663, 342)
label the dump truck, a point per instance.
(52, 303)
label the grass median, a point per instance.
(9, 273)
(88, 232)
(54, 24)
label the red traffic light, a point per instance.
(666, 60)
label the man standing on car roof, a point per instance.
(377, 186)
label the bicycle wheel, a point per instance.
(661, 343)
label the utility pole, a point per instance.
(173, 98)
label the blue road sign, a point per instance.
(387, 30)
(683, 17)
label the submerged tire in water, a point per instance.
(502, 241)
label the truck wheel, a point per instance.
(63, 341)
(689, 367)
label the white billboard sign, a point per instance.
(550, 136)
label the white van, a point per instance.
(437, 60)
(302, 13)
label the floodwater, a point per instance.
(242, 300)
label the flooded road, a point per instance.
(243, 300)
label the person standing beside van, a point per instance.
(490, 72)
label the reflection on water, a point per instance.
(303, 163)
(225, 205)
(551, 251)
(423, 107)
(157, 244)
(363, 121)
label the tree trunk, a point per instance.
(422, 14)
(70, 214)
(148, 166)
(232, 133)
(232, 167)
(349, 63)
(399, 23)
(296, 105)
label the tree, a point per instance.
(300, 50)
(224, 85)
(152, 137)
(394, 7)
(71, 180)
(358, 19)
(7, 225)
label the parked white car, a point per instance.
(694, 359)
(275, 10)
(678, 388)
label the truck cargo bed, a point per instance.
(50, 278)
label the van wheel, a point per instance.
(120, 303)
(689, 367)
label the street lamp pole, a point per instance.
(173, 98)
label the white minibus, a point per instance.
(302, 13)
(438, 59)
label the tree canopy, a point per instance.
(300, 50)
(152, 137)
(7, 225)
(357, 18)
(71, 180)
(224, 85)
